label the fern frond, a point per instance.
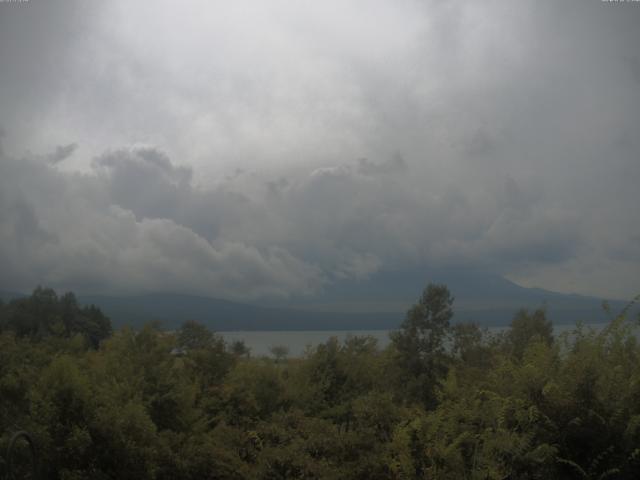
(609, 473)
(573, 465)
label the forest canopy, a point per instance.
(443, 400)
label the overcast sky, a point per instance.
(255, 149)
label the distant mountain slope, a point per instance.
(379, 302)
(472, 289)
(485, 298)
(221, 315)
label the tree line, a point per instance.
(442, 400)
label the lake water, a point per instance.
(297, 341)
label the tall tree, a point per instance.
(420, 342)
(527, 327)
(194, 335)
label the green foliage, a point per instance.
(526, 328)
(442, 401)
(420, 343)
(45, 314)
(279, 352)
(195, 336)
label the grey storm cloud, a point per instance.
(254, 149)
(137, 222)
(394, 164)
(61, 153)
(74, 230)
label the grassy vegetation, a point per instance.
(441, 401)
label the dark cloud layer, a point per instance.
(137, 222)
(85, 231)
(254, 149)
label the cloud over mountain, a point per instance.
(256, 150)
